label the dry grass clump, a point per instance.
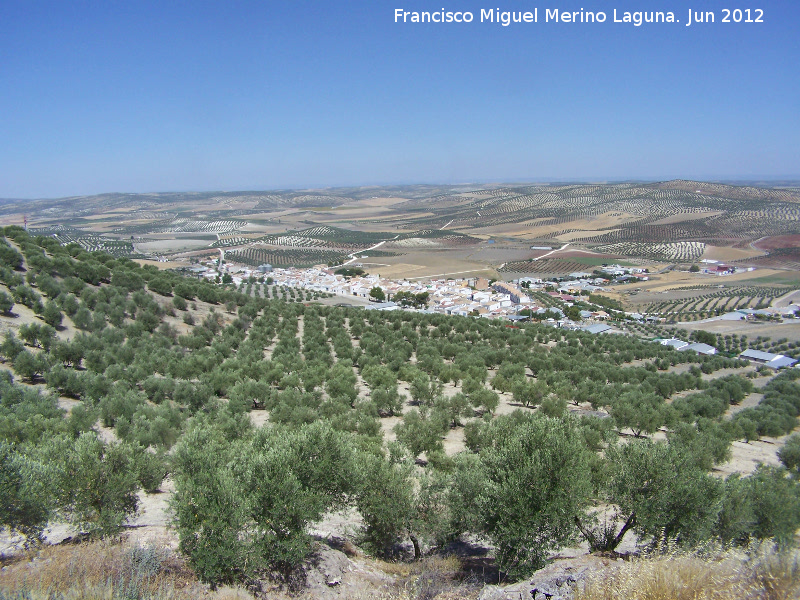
(430, 564)
(439, 577)
(763, 574)
(433, 577)
(104, 570)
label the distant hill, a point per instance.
(623, 219)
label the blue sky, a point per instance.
(164, 96)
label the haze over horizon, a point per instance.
(154, 97)
(778, 181)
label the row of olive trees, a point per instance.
(529, 485)
(133, 370)
(450, 338)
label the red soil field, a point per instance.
(778, 241)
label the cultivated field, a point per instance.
(423, 231)
(325, 438)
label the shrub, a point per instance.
(790, 455)
(536, 480)
(6, 303)
(241, 509)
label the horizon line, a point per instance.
(544, 181)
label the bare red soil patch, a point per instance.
(779, 258)
(778, 241)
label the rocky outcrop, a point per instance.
(330, 574)
(557, 581)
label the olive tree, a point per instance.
(27, 501)
(640, 411)
(94, 483)
(537, 479)
(529, 393)
(424, 390)
(241, 509)
(485, 399)
(385, 500)
(790, 454)
(6, 303)
(387, 400)
(422, 431)
(661, 493)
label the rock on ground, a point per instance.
(557, 581)
(332, 575)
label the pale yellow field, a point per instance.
(172, 264)
(171, 245)
(428, 264)
(681, 218)
(568, 237)
(676, 279)
(267, 214)
(116, 211)
(724, 253)
(250, 236)
(376, 202)
(752, 329)
(523, 229)
(587, 227)
(259, 229)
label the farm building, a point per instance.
(383, 306)
(773, 361)
(515, 293)
(597, 328)
(517, 318)
(733, 316)
(265, 268)
(627, 278)
(719, 269)
(675, 343)
(528, 280)
(699, 348)
(198, 272)
(579, 286)
(752, 312)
